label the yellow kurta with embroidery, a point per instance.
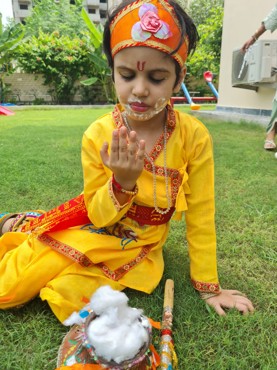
(117, 250)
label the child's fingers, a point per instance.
(243, 305)
(141, 152)
(243, 308)
(133, 146)
(114, 147)
(104, 154)
(230, 299)
(218, 309)
(122, 144)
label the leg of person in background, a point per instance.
(271, 129)
(269, 140)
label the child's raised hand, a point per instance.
(126, 158)
(230, 299)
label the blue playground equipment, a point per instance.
(186, 93)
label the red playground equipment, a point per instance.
(5, 112)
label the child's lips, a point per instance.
(139, 107)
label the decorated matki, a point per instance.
(108, 334)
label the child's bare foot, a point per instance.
(7, 225)
(4, 224)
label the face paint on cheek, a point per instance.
(140, 66)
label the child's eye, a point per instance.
(156, 80)
(127, 77)
(156, 77)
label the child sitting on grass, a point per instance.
(143, 164)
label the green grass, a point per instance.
(40, 168)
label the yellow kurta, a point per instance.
(116, 249)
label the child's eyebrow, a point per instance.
(163, 70)
(124, 67)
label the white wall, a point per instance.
(241, 20)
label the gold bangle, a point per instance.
(129, 192)
(207, 295)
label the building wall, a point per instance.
(21, 9)
(97, 9)
(241, 19)
(26, 88)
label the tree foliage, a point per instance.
(10, 39)
(60, 59)
(201, 10)
(64, 48)
(103, 73)
(208, 16)
(49, 16)
(183, 3)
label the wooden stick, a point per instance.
(167, 349)
(169, 294)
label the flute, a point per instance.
(168, 355)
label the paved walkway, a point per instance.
(232, 117)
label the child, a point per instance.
(142, 163)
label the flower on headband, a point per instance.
(150, 24)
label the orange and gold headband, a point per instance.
(148, 23)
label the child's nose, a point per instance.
(140, 88)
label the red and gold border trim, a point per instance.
(122, 270)
(66, 250)
(206, 287)
(84, 261)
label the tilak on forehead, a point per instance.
(148, 23)
(140, 65)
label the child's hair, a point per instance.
(187, 30)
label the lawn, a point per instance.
(40, 168)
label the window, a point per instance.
(103, 14)
(23, 6)
(91, 10)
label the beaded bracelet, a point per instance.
(120, 189)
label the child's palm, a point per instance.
(126, 158)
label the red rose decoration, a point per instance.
(151, 22)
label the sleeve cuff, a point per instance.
(204, 287)
(116, 203)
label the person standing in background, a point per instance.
(269, 23)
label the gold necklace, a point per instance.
(168, 197)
